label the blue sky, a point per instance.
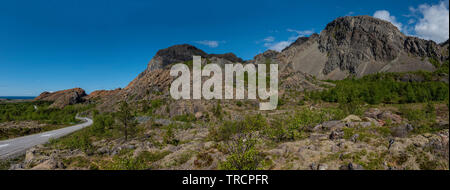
(53, 45)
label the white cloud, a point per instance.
(385, 15)
(280, 45)
(350, 13)
(301, 33)
(269, 39)
(430, 22)
(211, 44)
(433, 23)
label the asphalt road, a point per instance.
(15, 147)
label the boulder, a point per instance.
(329, 125)
(372, 113)
(336, 134)
(402, 130)
(50, 164)
(388, 115)
(322, 167)
(351, 118)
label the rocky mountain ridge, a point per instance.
(360, 45)
(348, 46)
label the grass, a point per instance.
(230, 128)
(40, 111)
(6, 164)
(77, 161)
(181, 159)
(78, 140)
(125, 161)
(203, 159)
(185, 118)
(25, 111)
(151, 157)
(8, 133)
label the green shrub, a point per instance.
(151, 157)
(102, 126)
(217, 110)
(434, 62)
(185, 118)
(22, 111)
(243, 155)
(169, 136)
(127, 163)
(148, 107)
(230, 128)
(78, 140)
(384, 88)
(278, 131)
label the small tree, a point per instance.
(126, 117)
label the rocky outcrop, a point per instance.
(227, 56)
(63, 98)
(174, 54)
(182, 53)
(269, 56)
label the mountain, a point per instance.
(348, 46)
(359, 45)
(154, 82)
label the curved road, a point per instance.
(17, 146)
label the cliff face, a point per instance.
(63, 98)
(360, 45)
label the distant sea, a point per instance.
(17, 97)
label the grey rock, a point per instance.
(163, 122)
(322, 167)
(355, 137)
(402, 130)
(351, 166)
(352, 40)
(143, 119)
(103, 150)
(130, 146)
(332, 125)
(17, 166)
(227, 56)
(337, 134)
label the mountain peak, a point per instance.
(363, 21)
(174, 54)
(228, 56)
(184, 52)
